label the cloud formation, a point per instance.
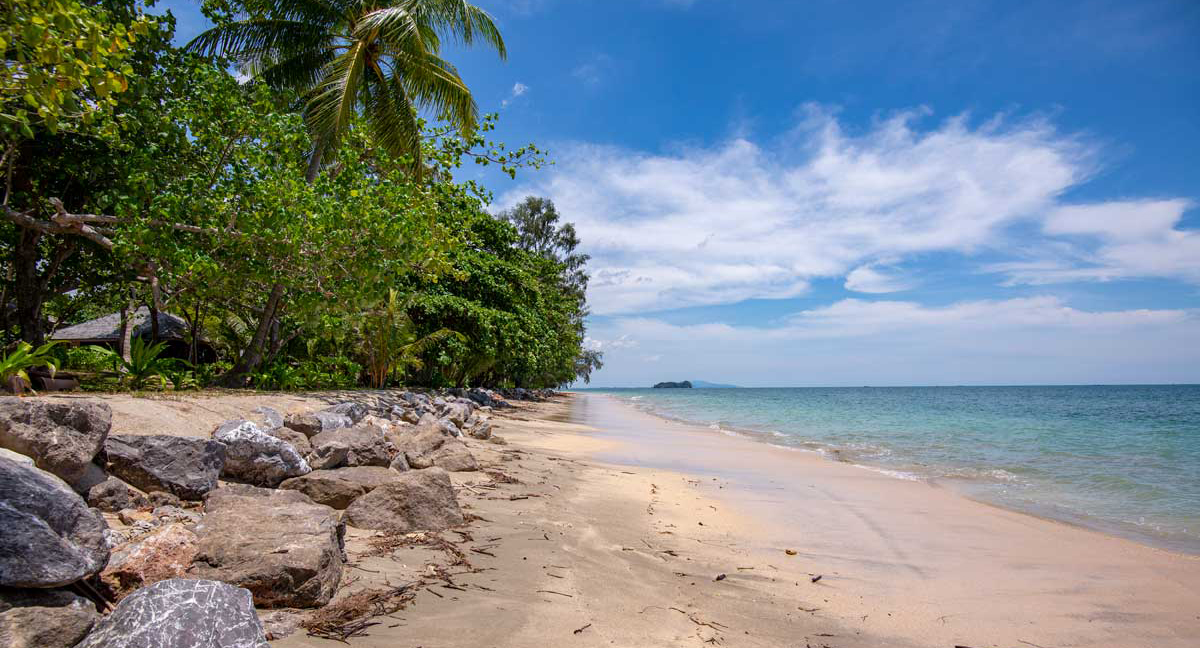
(518, 89)
(742, 220)
(854, 342)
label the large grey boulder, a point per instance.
(112, 495)
(279, 544)
(183, 466)
(255, 457)
(48, 535)
(418, 500)
(338, 488)
(365, 445)
(62, 438)
(44, 618)
(180, 613)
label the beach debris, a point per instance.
(554, 592)
(352, 615)
(790, 552)
(580, 630)
(720, 577)
(816, 578)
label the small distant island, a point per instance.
(673, 385)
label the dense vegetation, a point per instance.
(314, 239)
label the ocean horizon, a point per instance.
(1122, 459)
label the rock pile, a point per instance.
(211, 528)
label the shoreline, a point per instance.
(599, 525)
(993, 484)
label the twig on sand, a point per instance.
(816, 578)
(553, 592)
(708, 624)
(580, 630)
(483, 551)
(352, 615)
(1029, 643)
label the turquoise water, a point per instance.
(1122, 459)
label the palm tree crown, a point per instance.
(377, 57)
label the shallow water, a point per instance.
(1123, 459)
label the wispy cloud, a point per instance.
(594, 71)
(518, 89)
(741, 220)
(1023, 340)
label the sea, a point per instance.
(1120, 459)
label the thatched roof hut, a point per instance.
(106, 331)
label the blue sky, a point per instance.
(865, 193)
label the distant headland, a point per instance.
(673, 385)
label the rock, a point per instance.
(130, 517)
(497, 440)
(279, 624)
(418, 500)
(329, 455)
(50, 537)
(338, 488)
(62, 438)
(366, 445)
(351, 410)
(180, 613)
(457, 413)
(165, 553)
(418, 445)
(482, 430)
(112, 495)
(5, 453)
(185, 467)
(174, 514)
(399, 463)
(314, 423)
(267, 418)
(44, 618)
(297, 439)
(410, 416)
(454, 457)
(280, 545)
(255, 457)
(159, 498)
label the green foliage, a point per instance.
(145, 362)
(15, 363)
(64, 62)
(196, 192)
(346, 59)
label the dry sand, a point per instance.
(622, 524)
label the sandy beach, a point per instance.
(598, 525)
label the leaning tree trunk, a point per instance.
(314, 161)
(125, 342)
(252, 355)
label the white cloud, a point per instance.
(1115, 240)
(741, 220)
(518, 89)
(855, 342)
(873, 278)
(593, 71)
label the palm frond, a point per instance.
(331, 107)
(432, 83)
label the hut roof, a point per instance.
(108, 328)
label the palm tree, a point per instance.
(377, 57)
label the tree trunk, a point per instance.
(252, 356)
(27, 286)
(155, 303)
(126, 340)
(314, 161)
